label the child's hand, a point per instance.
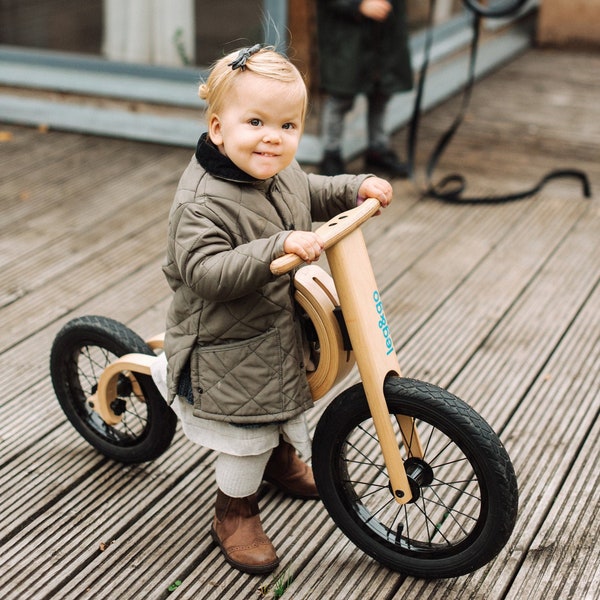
(306, 244)
(374, 187)
(378, 10)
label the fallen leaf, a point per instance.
(103, 546)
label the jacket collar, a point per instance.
(219, 165)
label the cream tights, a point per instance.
(240, 476)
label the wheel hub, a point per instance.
(419, 474)
(118, 406)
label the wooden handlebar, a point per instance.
(331, 232)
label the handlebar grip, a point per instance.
(285, 263)
(331, 232)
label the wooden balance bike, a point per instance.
(411, 474)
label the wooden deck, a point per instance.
(500, 304)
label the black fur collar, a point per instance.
(217, 164)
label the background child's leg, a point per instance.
(377, 104)
(379, 154)
(332, 126)
(333, 113)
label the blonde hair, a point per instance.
(266, 62)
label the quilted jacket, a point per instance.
(231, 322)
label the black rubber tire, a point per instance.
(80, 352)
(467, 497)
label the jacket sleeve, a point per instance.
(206, 259)
(333, 195)
(345, 8)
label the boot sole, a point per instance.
(251, 569)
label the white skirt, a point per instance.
(233, 439)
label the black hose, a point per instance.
(451, 188)
(493, 10)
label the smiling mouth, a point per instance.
(267, 154)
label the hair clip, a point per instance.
(243, 55)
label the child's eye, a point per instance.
(288, 126)
(255, 122)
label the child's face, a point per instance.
(260, 126)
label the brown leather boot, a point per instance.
(290, 474)
(238, 532)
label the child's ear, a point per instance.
(214, 130)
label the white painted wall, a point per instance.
(157, 32)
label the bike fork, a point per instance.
(374, 352)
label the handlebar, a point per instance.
(331, 233)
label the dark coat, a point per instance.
(231, 320)
(359, 55)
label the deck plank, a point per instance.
(551, 566)
(500, 304)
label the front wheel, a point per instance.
(465, 497)
(81, 351)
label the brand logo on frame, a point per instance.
(383, 323)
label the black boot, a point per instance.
(332, 163)
(386, 160)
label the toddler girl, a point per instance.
(236, 374)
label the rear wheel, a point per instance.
(81, 351)
(465, 495)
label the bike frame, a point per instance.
(368, 331)
(373, 350)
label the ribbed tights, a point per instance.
(240, 476)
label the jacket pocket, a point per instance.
(239, 381)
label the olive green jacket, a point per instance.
(230, 319)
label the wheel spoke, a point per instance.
(431, 523)
(367, 460)
(458, 488)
